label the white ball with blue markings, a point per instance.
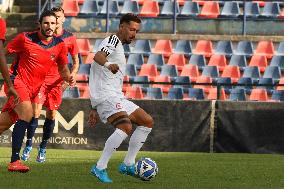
(146, 169)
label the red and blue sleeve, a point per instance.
(73, 49)
(62, 57)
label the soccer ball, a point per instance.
(146, 169)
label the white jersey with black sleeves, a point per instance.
(103, 83)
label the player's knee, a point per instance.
(148, 121)
(127, 128)
(37, 113)
(50, 114)
(123, 123)
(37, 110)
(26, 117)
(25, 111)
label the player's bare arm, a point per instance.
(74, 71)
(5, 73)
(75, 66)
(65, 74)
(3, 65)
(100, 58)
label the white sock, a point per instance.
(112, 143)
(136, 142)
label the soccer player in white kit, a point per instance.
(108, 101)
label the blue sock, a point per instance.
(17, 138)
(31, 131)
(47, 131)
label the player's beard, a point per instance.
(129, 41)
(44, 33)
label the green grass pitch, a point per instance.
(71, 169)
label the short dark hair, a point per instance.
(127, 18)
(45, 14)
(57, 9)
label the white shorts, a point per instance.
(114, 105)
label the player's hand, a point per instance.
(73, 75)
(113, 68)
(13, 92)
(72, 81)
(64, 86)
(93, 118)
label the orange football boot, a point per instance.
(18, 166)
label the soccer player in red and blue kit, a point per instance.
(36, 53)
(3, 63)
(50, 94)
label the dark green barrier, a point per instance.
(250, 127)
(179, 126)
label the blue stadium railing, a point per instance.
(45, 4)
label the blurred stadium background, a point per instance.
(211, 72)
